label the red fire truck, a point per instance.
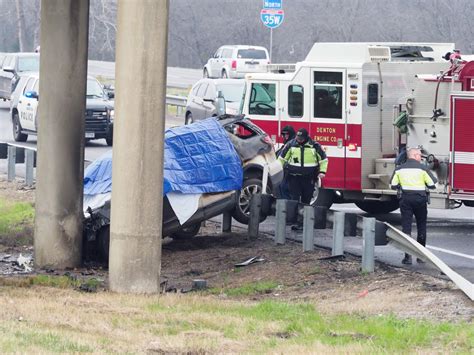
(348, 96)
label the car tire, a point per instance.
(224, 74)
(103, 242)
(205, 73)
(110, 138)
(323, 197)
(377, 207)
(189, 118)
(17, 135)
(250, 187)
(187, 232)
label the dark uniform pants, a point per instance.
(301, 187)
(414, 204)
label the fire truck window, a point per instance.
(328, 95)
(295, 100)
(328, 77)
(372, 94)
(262, 99)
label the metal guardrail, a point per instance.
(374, 233)
(178, 101)
(17, 154)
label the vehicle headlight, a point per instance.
(111, 115)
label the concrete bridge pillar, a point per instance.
(59, 187)
(141, 50)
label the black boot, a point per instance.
(407, 259)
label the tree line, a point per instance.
(198, 28)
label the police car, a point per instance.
(24, 110)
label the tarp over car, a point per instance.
(198, 158)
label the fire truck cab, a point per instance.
(347, 95)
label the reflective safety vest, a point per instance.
(413, 177)
(305, 160)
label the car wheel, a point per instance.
(103, 242)
(187, 232)
(224, 74)
(205, 73)
(250, 187)
(323, 197)
(377, 207)
(17, 135)
(110, 138)
(189, 118)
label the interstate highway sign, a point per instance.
(272, 18)
(272, 4)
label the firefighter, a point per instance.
(288, 133)
(305, 161)
(413, 178)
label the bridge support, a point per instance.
(137, 175)
(59, 187)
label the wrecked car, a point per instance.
(210, 167)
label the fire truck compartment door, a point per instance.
(462, 144)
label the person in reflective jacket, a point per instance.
(413, 178)
(287, 133)
(304, 161)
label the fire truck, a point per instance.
(365, 102)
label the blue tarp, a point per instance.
(198, 158)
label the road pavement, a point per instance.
(176, 77)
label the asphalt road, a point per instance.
(177, 77)
(450, 233)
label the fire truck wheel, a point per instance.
(377, 207)
(323, 198)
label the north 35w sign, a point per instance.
(272, 18)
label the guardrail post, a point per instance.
(11, 163)
(338, 234)
(254, 222)
(29, 164)
(368, 244)
(280, 216)
(308, 228)
(226, 225)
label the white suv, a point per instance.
(236, 61)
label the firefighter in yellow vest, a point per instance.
(304, 161)
(413, 178)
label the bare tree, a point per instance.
(20, 21)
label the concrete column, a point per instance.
(60, 171)
(137, 175)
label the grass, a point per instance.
(16, 222)
(64, 320)
(248, 289)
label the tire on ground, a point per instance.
(242, 211)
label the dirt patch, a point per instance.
(333, 285)
(16, 191)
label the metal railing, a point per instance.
(374, 233)
(17, 154)
(178, 101)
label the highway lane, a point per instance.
(176, 77)
(93, 148)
